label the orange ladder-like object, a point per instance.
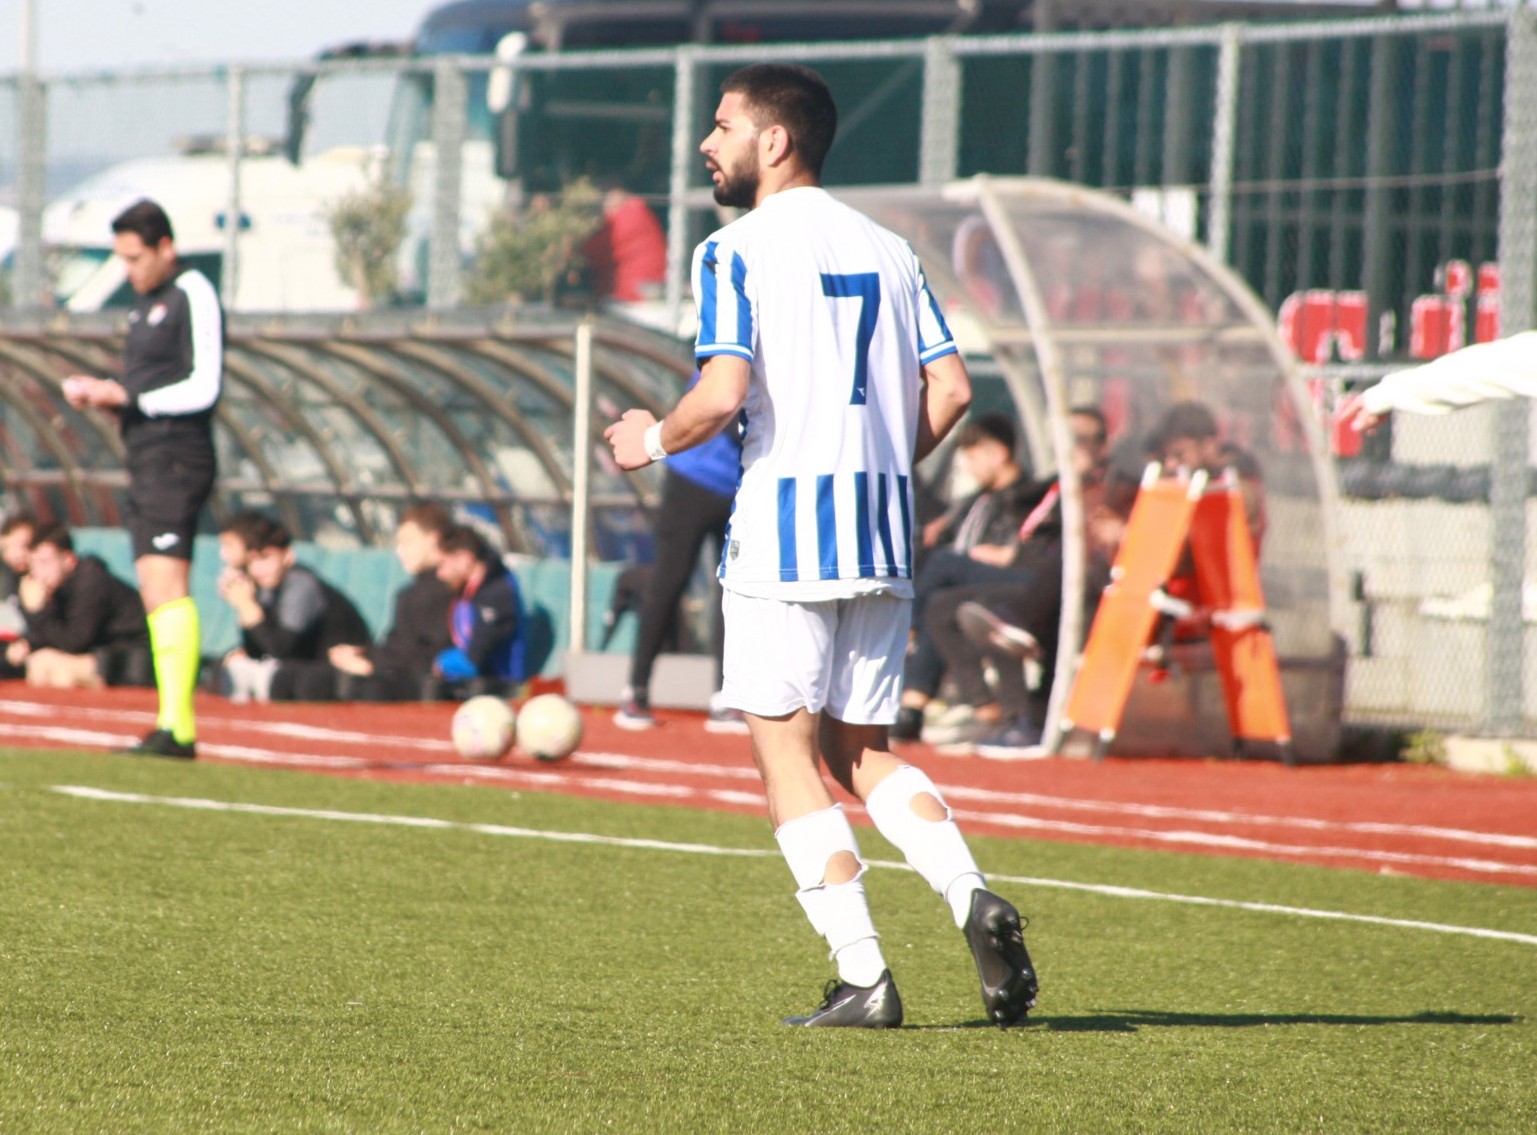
(1168, 512)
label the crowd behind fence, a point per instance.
(1353, 172)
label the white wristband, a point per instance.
(652, 439)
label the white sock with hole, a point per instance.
(933, 848)
(837, 911)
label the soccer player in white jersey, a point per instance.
(817, 327)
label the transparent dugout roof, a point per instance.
(1078, 299)
(334, 425)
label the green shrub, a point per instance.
(368, 228)
(532, 253)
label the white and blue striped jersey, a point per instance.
(834, 314)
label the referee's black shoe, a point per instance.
(998, 944)
(856, 1006)
(162, 743)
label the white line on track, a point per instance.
(1113, 807)
(1238, 843)
(85, 792)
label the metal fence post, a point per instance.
(581, 481)
(1223, 137)
(939, 138)
(685, 83)
(234, 213)
(448, 125)
(1506, 633)
(30, 281)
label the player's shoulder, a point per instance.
(194, 287)
(742, 233)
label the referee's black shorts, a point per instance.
(169, 482)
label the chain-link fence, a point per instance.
(1375, 182)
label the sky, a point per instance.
(75, 35)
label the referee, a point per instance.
(172, 375)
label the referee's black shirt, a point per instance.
(173, 362)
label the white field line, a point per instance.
(84, 792)
(986, 798)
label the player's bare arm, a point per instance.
(699, 415)
(946, 397)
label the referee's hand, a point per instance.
(83, 390)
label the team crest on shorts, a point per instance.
(734, 550)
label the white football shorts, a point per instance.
(841, 655)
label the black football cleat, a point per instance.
(162, 743)
(846, 1006)
(997, 943)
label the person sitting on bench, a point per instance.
(85, 627)
(486, 623)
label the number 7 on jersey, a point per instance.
(866, 288)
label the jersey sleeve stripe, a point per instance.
(934, 337)
(744, 328)
(705, 350)
(200, 389)
(725, 321)
(705, 290)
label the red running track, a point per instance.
(1391, 818)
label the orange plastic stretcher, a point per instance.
(1168, 513)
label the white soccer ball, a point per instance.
(549, 727)
(484, 728)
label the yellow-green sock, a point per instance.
(174, 642)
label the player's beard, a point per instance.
(738, 188)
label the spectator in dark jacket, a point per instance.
(289, 619)
(1029, 558)
(977, 541)
(85, 627)
(486, 622)
(15, 553)
(399, 666)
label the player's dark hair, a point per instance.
(1192, 420)
(988, 427)
(253, 529)
(792, 96)
(429, 516)
(146, 220)
(463, 538)
(272, 535)
(21, 518)
(1094, 412)
(55, 536)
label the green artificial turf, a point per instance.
(176, 969)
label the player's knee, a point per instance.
(927, 806)
(842, 867)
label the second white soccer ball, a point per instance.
(484, 728)
(549, 727)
